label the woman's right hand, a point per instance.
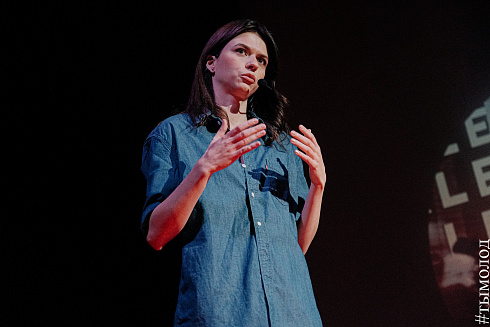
(170, 216)
(226, 148)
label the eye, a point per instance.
(241, 51)
(262, 61)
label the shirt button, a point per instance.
(244, 165)
(253, 195)
(259, 223)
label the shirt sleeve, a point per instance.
(298, 183)
(161, 174)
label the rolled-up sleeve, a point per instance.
(298, 184)
(160, 173)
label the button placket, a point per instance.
(261, 234)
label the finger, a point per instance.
(305, 144)
(307, 137)
(316, 166)
(314, 154)
(300, 137)
(304, 157)
(307, 132)
(244, 126)
(242, 150)
(308, 151)
(247, 139)
(238, 138)
(304, 130)
(223, 128)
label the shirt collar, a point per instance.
(213, 123)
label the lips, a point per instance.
(248, 78)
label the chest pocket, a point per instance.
(275, 179)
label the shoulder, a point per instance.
(182, 120)
(167, 128)
(163, 137)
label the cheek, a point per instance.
(261, 73)
(229, 67)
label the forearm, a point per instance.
(170, 216)
(310, 216)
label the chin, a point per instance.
(244, 93)
(252, 89)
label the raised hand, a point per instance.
(225, 148)
(311, 154)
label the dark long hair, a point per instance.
(267, 104)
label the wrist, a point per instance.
(320, 187)
(203, 168)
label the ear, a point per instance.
(210, 63)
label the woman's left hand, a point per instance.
(311, 154)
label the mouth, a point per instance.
(248, 78)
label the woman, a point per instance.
(226, 178)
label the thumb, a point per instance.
(223, 128)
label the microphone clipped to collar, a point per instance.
(263, 83)
(213, 123)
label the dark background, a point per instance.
(384, 86)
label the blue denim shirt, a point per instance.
(241, 261)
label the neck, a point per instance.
(235, 109)
(236, 114)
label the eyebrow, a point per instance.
(248, 49)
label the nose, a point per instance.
(252, 64)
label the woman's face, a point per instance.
(239, 67)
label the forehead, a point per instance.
(252, 40)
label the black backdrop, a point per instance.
(384, 87)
